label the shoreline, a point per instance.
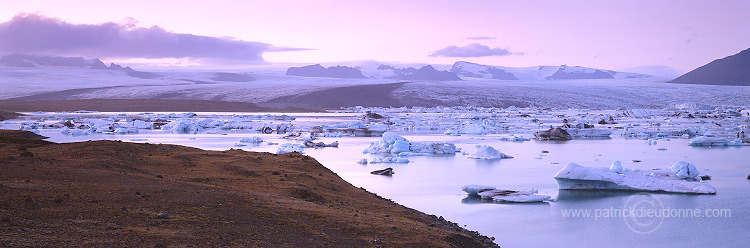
(148, 194)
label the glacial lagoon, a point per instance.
(432, 184)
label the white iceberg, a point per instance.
(514, 138)
(684, 170)
(289, 147)
(252, 140)
(504, 196)
(617, 167)
(521, 198)
(141, 124)
(589, 133)
(714, 141)
(394, 144)
(388, 160)
(487, 152)
(577, 177)
(183, 127)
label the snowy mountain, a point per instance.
(384, 85)
(318, 70)
(383, 71)
(23, 60)
(35, 61)
(426, 72)
(537, 73)
(732, 70)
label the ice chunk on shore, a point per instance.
(487, 152)
(577, 177)
(714, 141)
(391, 143)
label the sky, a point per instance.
(666, 35)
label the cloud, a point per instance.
(481, 38)
(36, 34)
(471, 50)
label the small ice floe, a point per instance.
(387, 160)
(588, 133)
(138, 139)
(394, 144)
(661, 148)
(183, 127)
(681, 177)
(311, 144)
(252, 140)
(487, 152)
(451, 132)
(514, 138)
(384, 172)
(714, 141)
(362, 161)
(504, 196)
(288, 147)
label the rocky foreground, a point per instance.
(118, 194)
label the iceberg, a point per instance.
(589, 133)
(577, 177)
(397, 160)
(684, 170)
(289, 147)
(514, 138)
(475, 189)
(391, 143)
(553, 134)
(512, 196)
(714, 141)
(617, 167)
(252, 140)
(504, 196)
(384, 172)
(487, 152)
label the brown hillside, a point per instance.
(117, 194)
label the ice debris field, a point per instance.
(703, 126)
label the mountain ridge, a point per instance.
(731, 70)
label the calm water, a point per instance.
(433, 185)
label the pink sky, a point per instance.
(682, 34)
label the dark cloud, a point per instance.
(471, 50)
(36, 34)
(481, 38)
